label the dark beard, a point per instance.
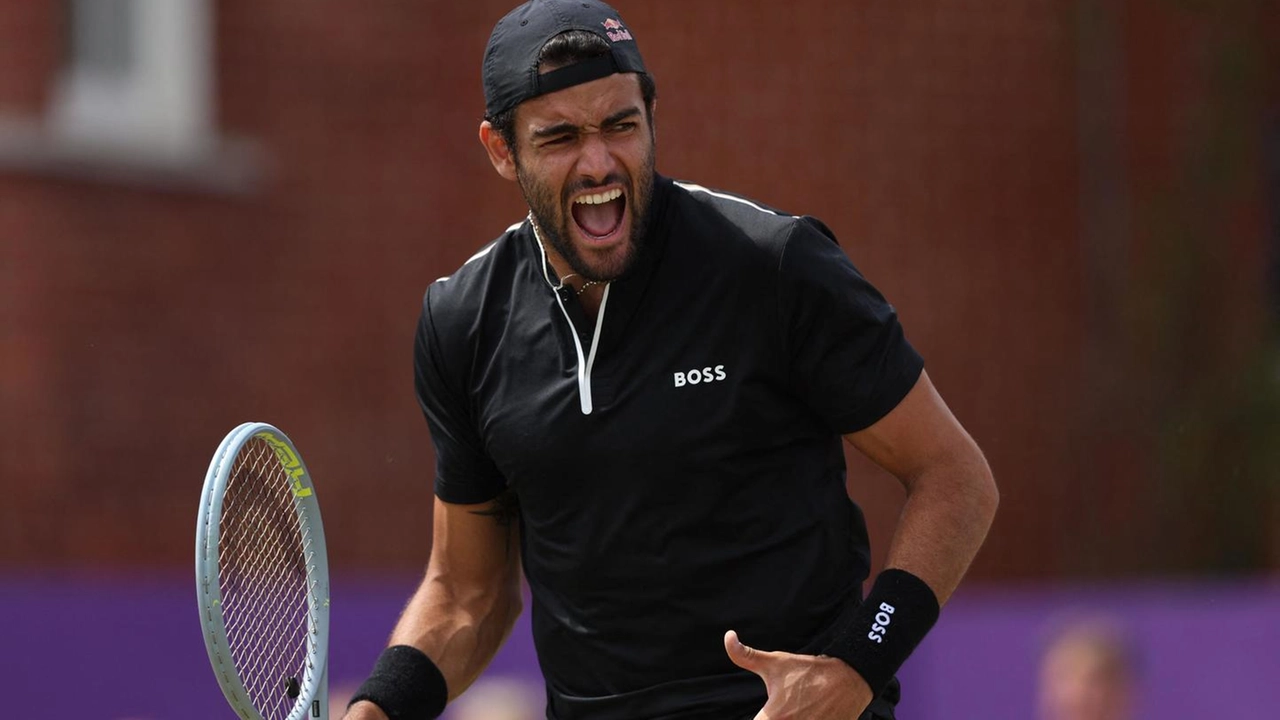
(544, 208)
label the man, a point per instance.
(1089, 672)
(638, 395)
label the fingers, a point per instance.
(747, 658)
(740, 654)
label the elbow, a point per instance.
(972, 486)
(989, 494)
(966, 483)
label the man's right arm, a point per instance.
(470, 598)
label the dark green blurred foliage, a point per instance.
(1190, 365)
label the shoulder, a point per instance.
(451, 305)
(733, 220)
(468, 286)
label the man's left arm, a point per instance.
(950, 503)
(951, 495)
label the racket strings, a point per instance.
(265, 554)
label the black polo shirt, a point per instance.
(678, 463)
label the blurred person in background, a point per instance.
(1089, 672)
(638, 395)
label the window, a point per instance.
(137, 73)
(134, 103)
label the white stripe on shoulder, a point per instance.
(698, 188)
(483, 251)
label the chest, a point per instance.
(694, 380)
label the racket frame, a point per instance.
(313, 699)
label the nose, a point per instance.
(596, 161)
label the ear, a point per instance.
(499, 153)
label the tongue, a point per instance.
(598, 220)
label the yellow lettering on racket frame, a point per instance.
(289, 460)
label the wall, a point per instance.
(956, 152)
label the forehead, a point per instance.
(582, 105)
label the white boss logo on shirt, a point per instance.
(695, 376)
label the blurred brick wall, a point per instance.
(939, 140)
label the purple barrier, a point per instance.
(1205, 649)
(120, 647)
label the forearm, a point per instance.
(458, 618)
(949, 508)
(948, 511)
(460, 630)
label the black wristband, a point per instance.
(405, 684)
(876, 636)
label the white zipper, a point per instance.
(584, 363)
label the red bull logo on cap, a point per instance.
(615, 30)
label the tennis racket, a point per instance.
(262, 578)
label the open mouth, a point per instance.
(599, 215)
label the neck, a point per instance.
(589, 293)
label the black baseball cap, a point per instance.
(510, 69)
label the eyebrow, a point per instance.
(621, 115)
(567, 127)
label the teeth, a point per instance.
(599, 198)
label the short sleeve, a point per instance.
(465, 473)
(849, 356)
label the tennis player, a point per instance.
(638, 395)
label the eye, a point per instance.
(557, 140)
(622, 127)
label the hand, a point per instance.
(365, 710)
(802, 686)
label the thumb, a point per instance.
(747, 658)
